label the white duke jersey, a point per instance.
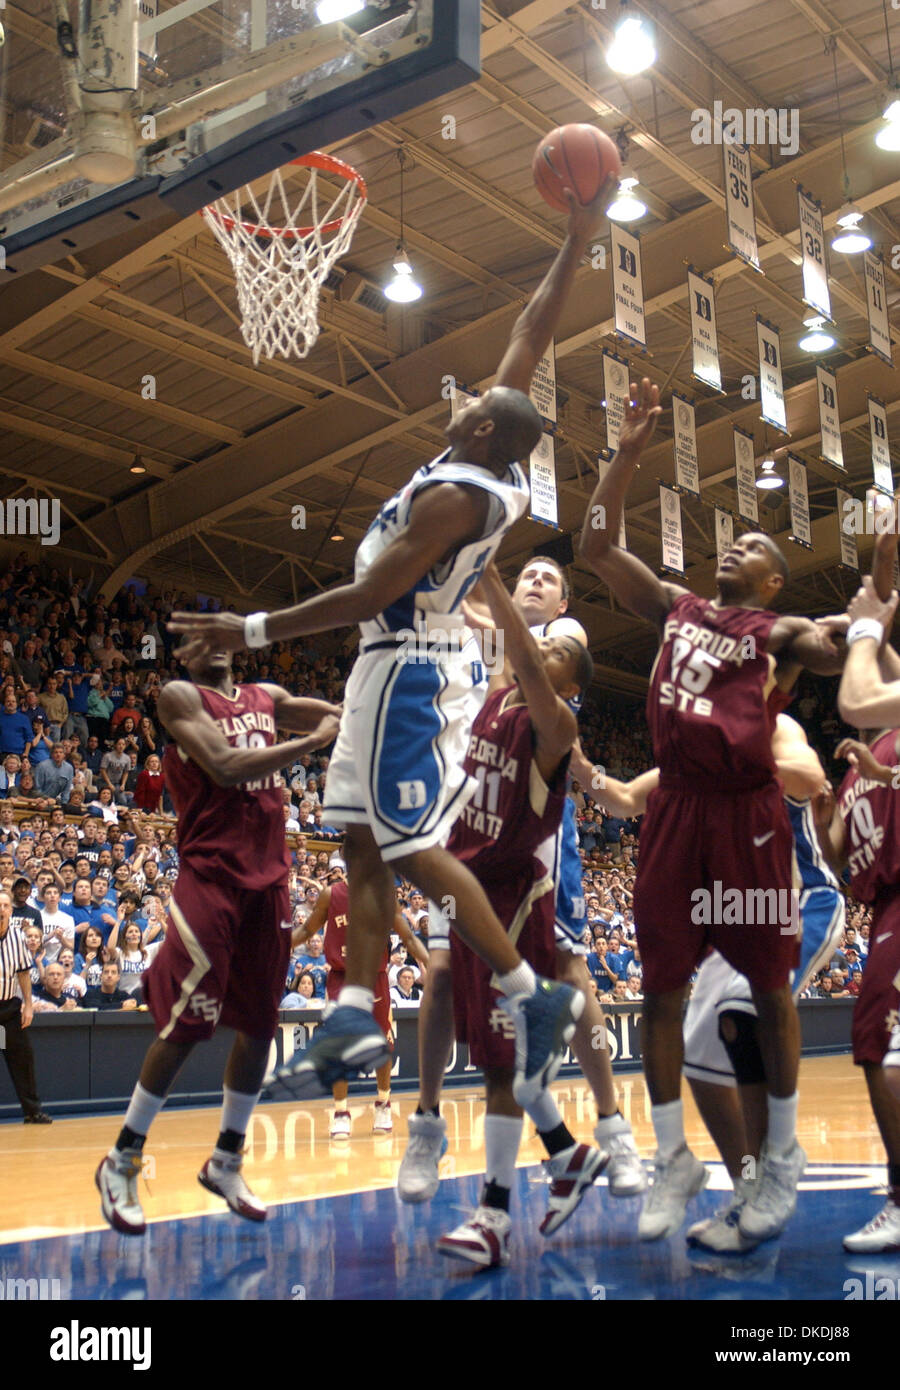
(436, 600)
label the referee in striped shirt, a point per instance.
(16, 1015)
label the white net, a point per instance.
(282, 248)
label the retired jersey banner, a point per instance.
(543, 385)
(812, 245)
(882, 473)
(829, 419)
(670, 519)
(615, 392)
(739, 203)
(542, 476)
(687, 464)
(603, 462)
(876, 303)
(801, 530)
(724, 533)
(846, 529)
(771, 386)
(745, 474)
(628, 284)
(704, 335)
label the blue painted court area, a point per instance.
(368, 1245)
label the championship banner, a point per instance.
(704, 335)
(543, 386)
(829, 420)
(846, 534)
(724, 533)
(542, 477)
(670, 529)
(603, 462)
(771, 387)
(876, 303)
(615, 392)
(812, 245)
(687, 464)
(745, 474)
(801, 530)
(628, 284)
(881, 450)
(739, 203)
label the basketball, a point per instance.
(579, 157)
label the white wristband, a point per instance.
(865, 627)
(255, 630)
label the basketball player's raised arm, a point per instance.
(297, 714)
(860, 756)
(315, 922)
(865, 699)
(534, 328)
(801, 773)
(883, 560)
(181, 711)
(442, 517)
(808, 644)
(554, 723)
(632, 582)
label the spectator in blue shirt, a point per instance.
(54, 777)
(15, 728)
(77, 688)
(618, 956)
(313, 963)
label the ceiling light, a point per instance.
(337, 534)
(137, 466)
(632, 49)
(888, 138)
(851, 239)
(768, 478)
(626, 206)
(818, 339)
(404, 288)
(329, 10)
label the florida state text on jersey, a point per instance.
(870, 815)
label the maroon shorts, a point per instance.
(223, 960)
(876, 1014)
(716, 869)
(480, 1022)
(382, 1010)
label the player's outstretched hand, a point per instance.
(642, 410)
(586, 219)
(213, 632)
(823, 806)
(866, 604)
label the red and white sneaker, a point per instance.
(221, 1174)
(483, 1240)
(340, 1125)
(573, 1171)
(384, 1120)
(116, 1180)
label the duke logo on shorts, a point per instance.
(418, 680)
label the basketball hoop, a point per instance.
(280, 269)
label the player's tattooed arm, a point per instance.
(864, 698)
(181, 711)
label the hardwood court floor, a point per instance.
(48, 1186)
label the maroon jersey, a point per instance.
(871, 819)
(336, 930)
(513, 811)
(707, 707)
(235, 833)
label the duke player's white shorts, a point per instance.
(397, 765)
(719, 987)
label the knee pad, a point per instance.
(737, 1030)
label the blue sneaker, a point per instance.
(346, 1042)
(545, 1021)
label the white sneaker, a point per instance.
(116, 1180)
(221, 1174)
(483, 1240)
(676, 1180)
(384, 1121)
(880, 1237)
(721, 1232)
(775, 1198)
(340, 1125)
(417, 1180)
(625, 1171)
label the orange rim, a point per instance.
(329, 164)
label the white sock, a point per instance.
(355, 997)
(237, 1108)
(668, 1122)
(519, 981)
(502, 1136)
(782, 1133)
(544, 1114)
(609, 1125)
(143, 1109)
